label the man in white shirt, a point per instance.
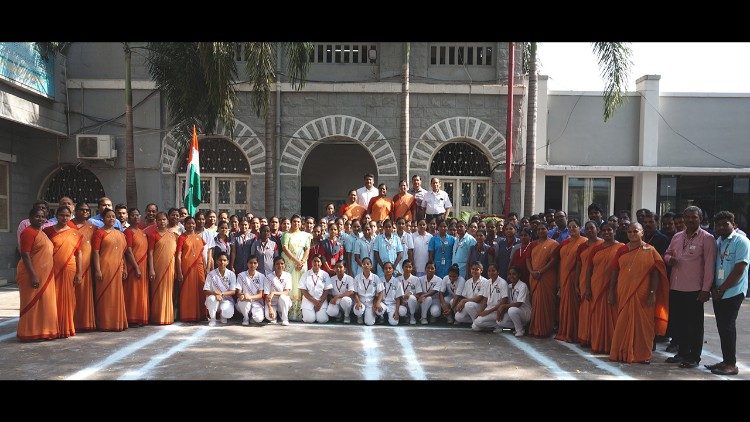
(418, 191)
(437, 202)
(368, 191)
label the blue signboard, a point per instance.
(21, 64)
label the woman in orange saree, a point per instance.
(568, 329)
(84, 314)
(36, 282)
(639, 288)
(191, 273)
(109, 271)
(67, 268)
(542, 262)
(583, 264)
(162, 245)
(136, 285)
(602, 317)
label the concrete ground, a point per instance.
(331, 352)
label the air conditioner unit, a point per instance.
(96, 147)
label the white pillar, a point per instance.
(645, 191)
(648, 134)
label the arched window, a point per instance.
(225, 176)
(465, 175)
(76, 182)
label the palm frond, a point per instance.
(614, 64)
(298, 54)
(46, 49)
(260, 58)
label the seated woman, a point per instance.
(474, 293)
(392, 294)
(495, 296)
(278, 285)
(342, 292)
(219, 289)
(315, 286)
(517, 312)
(250, 285)
(409, 285)
(451, 293)
(366, 286)
(428, 293)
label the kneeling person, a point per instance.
(366, 286)
(315, 285)
(250, 285)
(278, 284)
(475, 290)
(342, 291)
(495, 296)
(517, 313)
(392, 294)
(409, 284)
(219, 288)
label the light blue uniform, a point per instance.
(729, 251)
(388, 250)
(462, 250)
(443, 248)
(350, 246)
(364, 249)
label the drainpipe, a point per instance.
(277, 169)
(509, 128)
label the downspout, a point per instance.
(277, 147)
(509, 128)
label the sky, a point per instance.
(684, 67)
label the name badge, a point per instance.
(692, 247)
(720, 274)
(442, 261)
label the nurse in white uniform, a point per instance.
(409, 285)
(428, 293)
(392, 294)
(495, 295)
(342, 292)
(473, 293)
(366, 286)
(517, 313)
(250, 285)
(315, 285)
(278, 284)
(219, 288)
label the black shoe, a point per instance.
(726, 370)
(715, 365)
(689, 364)
(672, 348)
(675, 359)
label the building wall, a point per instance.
(717, 123)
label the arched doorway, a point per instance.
(465, 174)
(74, 181)
(225, 177)
(330, 170)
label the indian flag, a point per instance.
(193, 195)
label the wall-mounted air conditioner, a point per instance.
(95, 147)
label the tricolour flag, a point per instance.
(193, 195)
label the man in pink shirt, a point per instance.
(691, 256)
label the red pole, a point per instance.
(509, 128)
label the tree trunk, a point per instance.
(530, 190)
(131, 191)
(404, 148)
(270, 158)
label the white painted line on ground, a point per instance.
(10, 321)
(145, 369)
(8, 336)
(371, 370)
(740, 366)
(383, 327)
(415, 369)
(605, 366)
(709, 315)
(558, 372)
(124, 352)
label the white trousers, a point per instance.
(343, 304)
(428, 305)
(308, 312)
(487, 322)
(252, 309)
(226, 307)
(468, 313)
(368, 312)
(389, 311)
(281, 307)
(515, 318)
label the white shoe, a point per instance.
(245, 322)
(223, 320)
(412, 321)
(285, 323)
(520, 333)
(360, 320)
(212, 323)
(347, 320)
(425, 321)
(498, 330)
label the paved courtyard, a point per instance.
(330, 352)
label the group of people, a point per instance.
(395, 260)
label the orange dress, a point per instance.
(38, 317)
(161, 301)
(110, 298)
(568, 328)
(584, 305)
(136, 289)
(402, 206)
(193, 268)
(353, 211)
(543, 290)
(66, 243)
(638, 322)
(380, 208)
(603, 315)
(84, 314)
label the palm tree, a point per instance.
(614, 64)
(404, 148)
(198, 83)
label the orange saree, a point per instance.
(543, 290)
(65, 243)
(636, 322)
(38, 317)
(568, 328)
(110, 299)
(355, 211)
(584, 305)
(84, 313)
(402, 206)
(602, 320)
(136, 289)
(162, 305)
(193, 268)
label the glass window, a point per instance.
(433, 55)
(218, 155)
(460, 55)
(224, 188)
(329, 53)
(451, 55)
(240, 192)
(470, 55)
(584, 191)
(338, 53)
(489, 56)
(460, 159)
(448, 188)
(481, 197)
(442, 54)
(346, 53)
(465, 194)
